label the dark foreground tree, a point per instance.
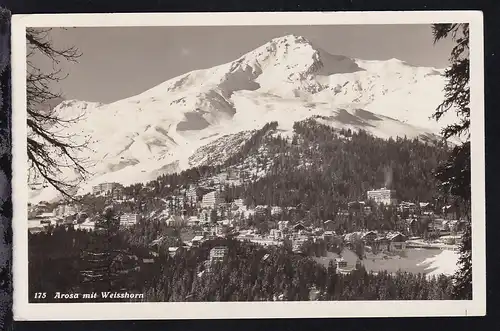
(457, 90)
(455, 173)
(50, 151)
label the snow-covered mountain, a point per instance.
(288, 79)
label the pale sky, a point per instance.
(117, 63)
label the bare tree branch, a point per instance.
(50, 151)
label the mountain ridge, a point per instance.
(287, 80)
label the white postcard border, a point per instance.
(23, 310)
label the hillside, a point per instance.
(313, 174)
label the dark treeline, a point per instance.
(247, 275)
(63, 260)
(324, 165)
(69, 261)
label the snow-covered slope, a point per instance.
(286, 80)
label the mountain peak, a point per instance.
(287, 79)
(283, 46)
(291, 38)
(288, 58)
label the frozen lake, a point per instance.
(414, 260)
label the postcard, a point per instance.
(248, 165)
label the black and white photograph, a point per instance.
(258, 162)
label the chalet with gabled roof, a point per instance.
(397, 241)
(299, 226)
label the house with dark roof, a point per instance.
(299, 226)
(397, 241)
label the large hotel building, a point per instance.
(383, 195)
(129, 219)
(212, 200)
(105, 188)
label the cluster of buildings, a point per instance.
(263, 240)
(411, 208)
(231, 220)
(435, 225)
(126, 220)
(296, 234)
(43, 215)
(390, 241)
(45, 210)
(39, 219)
(389, 197)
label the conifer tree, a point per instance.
(455, 173)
